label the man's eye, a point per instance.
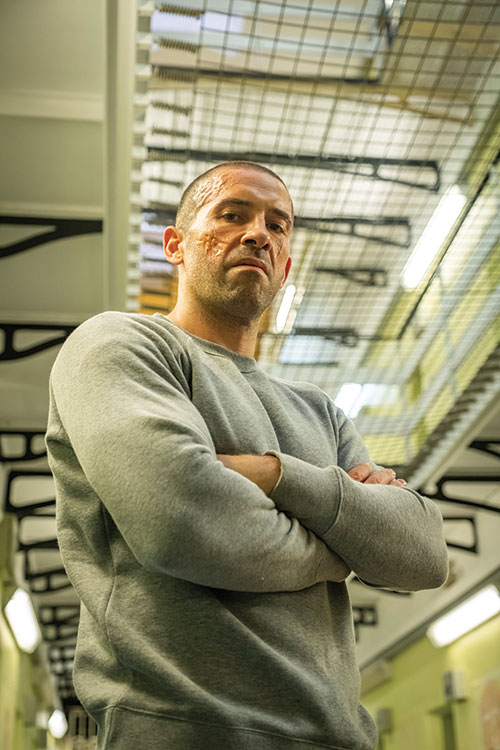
(276, 228)
(230, 216)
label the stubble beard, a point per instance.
(244, 300)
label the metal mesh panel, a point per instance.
(380, 117)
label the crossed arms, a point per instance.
(124, 433)
(265, 471)
(370, 538)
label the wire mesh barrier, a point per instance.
(383, 120)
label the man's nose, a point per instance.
(256, 234)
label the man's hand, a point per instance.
(264, 471)
(363, 473)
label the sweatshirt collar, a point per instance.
(242, 362)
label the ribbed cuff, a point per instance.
(306, 492)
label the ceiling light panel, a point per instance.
(273, 38)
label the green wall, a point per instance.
(422, 718)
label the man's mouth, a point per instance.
(253, 263)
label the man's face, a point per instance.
(245, 217)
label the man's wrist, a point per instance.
(272, 472)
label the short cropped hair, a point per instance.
(189, 205)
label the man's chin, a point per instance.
(247, 308)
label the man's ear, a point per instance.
(287, 271)
(172, 240)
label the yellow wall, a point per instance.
(416, 694)
(24, 683)
(9, 672)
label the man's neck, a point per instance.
(229, 332)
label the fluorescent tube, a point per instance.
(465, 617)
(347, 396)
(433, 236)
(22, 619)
(58, 726)
(285, 306)
(353, 396)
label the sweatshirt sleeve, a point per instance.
(389, 536)
(148, 455)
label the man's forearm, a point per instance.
(389, 536)
(264, 471)
(392, 540)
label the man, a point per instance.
(208, 514)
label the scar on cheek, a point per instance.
(210, 244)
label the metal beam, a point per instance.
(121, 19)
(441, 494)
(335, 224)
(188, 74)
(364, 615)
(42, 583)
(59, 623)
(9, 329)
(371, 92)
(344, 336)
(303, 363)
(474, 547)
(28, 453)
(60, 617)
(362, 166)
(490, 447)
(59, 228)
(364, 276)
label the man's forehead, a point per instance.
(242, 175)
(240, 183)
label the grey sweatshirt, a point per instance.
(214, 616)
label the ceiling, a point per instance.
(373, 114)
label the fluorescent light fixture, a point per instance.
(465, 617)
(347, 396)
(22, 619)
(353, 396)
(168, 23)
(285, 306)
(433, 236)
(373, 394)
(58, 726)
(217, 21)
